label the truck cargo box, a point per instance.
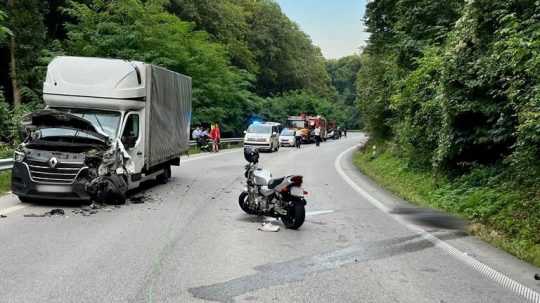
(168, 115)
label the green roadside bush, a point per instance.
(500, 211)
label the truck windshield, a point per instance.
(56, 133)
(297, 123)
(105, 122)
(259, 129)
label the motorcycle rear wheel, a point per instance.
(243, 202)
(295, 216)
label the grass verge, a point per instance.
(5, 182)
(500, 212)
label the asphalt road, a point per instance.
(190, 242)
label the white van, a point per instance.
(264, 136)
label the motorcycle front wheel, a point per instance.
(295, 216)
(243, 202)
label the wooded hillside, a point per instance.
(241, 54)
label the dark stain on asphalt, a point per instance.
(295, 270)
(430, 218)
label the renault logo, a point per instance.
(53, 162)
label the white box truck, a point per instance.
(108, 125)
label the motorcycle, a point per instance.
(282, 198)
(204, 144)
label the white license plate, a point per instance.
(297, 191)
(53, 189)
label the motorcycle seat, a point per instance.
(273, 183)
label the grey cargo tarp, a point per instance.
(168, 115)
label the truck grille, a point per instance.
(63, 173)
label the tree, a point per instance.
(145, 31)
(226, 21)
(343, 74)
(455, 84)
(263, 41)
(29, 33)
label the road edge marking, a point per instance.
(482, 268)
(12, 209)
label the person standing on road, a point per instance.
(215, 134)
(317, 133)
(345, 132)
(298, 138)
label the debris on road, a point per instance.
(51, 213)
(3, 216)
(268, 227)
(537, 277)
(91, 209)
(138, 199)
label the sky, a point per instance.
(333, 25)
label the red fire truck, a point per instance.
(307, 125)
(314, 122)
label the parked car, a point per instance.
(287, 137)
(108, 125)
(263, 136)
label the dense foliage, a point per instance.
(4, 31)
(500, 212)
(455, 84)
(241, 54)
(343, 74)
(453, 89)
(261, 40)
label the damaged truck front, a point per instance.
(108, 126)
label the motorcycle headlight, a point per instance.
(18, 156)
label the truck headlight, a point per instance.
(18, 156)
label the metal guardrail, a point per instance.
(224, 140)
(7, 164)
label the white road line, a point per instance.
(319, 212)
(484, 269)
(12, 209)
